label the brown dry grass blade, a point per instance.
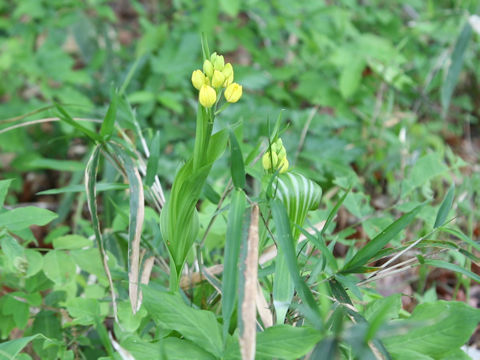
(248, 308)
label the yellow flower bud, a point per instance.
(217, 79)
(208, 68)
(198, 79)
(228, 80)
(207, 96)
(282, 153)
(218, 62)
(283, 167)
(227, 70)
(233, 92)
(269, 160)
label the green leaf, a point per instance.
(453, 267)
(367, 252)
(232, 253)
(10, 349)
(135, 223)
(456, 64)
(24, 217)
(58, 267)
(65, 116)
(351, 76)
(299, 195)
(445, 207)
(108, 124)
(425, 169)
(71, 242)
(461, 236)
(433, 329)
(230, 7)
(83, 311)
(286, 342)
(237, 167)
(199, 326)
(4, 185)
(178, 349)
(152, 164)
(286, 245)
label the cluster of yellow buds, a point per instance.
(275, 158)
(215, 75)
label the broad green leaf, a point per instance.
(199, 326)
(4, 185)
(367, 252)
(47, 323)
(433, 330)
(351, 76)
(453, 267)
(108, 124)
(152, 163)
(24, 217)
(230, 7)
(425, 169)
(10, 349)
(178, 349)
(232, 252)
(456, 64)
(286, 245)
(286, 342)
(237, 167)
(58, 267)
(71, 242)
(373, 307)
(34, 261)
(83, 311)
(445, 207)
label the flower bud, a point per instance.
(269, 160)
(283, 167)
(207, 96)
(282, 153)
(227, 70)
(208, 68)
(219, 63)
(233, 92)
(217, 79)
(198, 79)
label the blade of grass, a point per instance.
(90, 188)
(108, 124)
(65, 116)
(458, 54)
(453, 267)
(445, 207)
(362, 257)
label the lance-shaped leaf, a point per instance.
(232, 251)
(135, 223)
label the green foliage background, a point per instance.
(381, 99)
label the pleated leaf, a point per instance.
(299, 195)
